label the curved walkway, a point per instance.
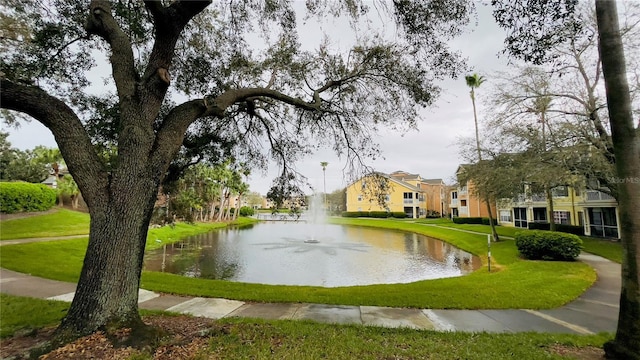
(596, 310)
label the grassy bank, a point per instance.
(507, 286)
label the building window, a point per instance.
(454, 194)
(359, 197)
(463, 202)
(520, 217)
(408, 195)
(505, 215)
(540, 214)
(387, 198)
(603, 222)
(562, 217)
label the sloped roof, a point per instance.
(433, 181)
(392, 179)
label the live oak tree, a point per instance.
(197, 79)
(535, 26)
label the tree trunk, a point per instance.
(492, 224)
(107, 292)
(626, 144)
(221, 209)
(227, 213)
(552, 220)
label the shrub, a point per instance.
(431, 214)
(24, 197)
(538, 226)
(399, 214)
(548, 245)
(379, 214)
(353, 214)
(246, 211)
(571, 229)
(468, 220)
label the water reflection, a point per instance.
(312, 254)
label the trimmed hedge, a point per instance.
(378, 214)
(548, 245)
(374, 214)
(571, 229)
(25, 197)
(354, 214)
(468, 220)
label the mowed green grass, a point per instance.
(237, 338)
(257, 339)
(607, 248)
(509, 285)
(63, 222)
(24, 314)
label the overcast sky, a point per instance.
(430, 151)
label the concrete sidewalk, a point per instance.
(595, 311)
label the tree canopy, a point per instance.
(193, 81)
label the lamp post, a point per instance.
(324, 181)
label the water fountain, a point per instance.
(313, 252)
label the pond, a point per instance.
(297, 253)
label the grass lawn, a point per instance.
(507, 286)
(237, 338)
(306, 340)
(60, 223)
(24, 314)
(606, 248)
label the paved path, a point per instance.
(595, 311)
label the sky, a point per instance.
(430, 151)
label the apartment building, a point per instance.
(595, 211)
(464, 203)
(401, 192)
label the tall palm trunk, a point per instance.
(494, 233)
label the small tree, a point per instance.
(67, 186)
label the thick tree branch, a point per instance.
(171, 134)
(84, 164)
(169, 23)
(100, 22)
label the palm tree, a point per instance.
(474, 81)
(324, 181)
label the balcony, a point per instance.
(454, 202)
(594, 195)
(538, 197)
(463, 210)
